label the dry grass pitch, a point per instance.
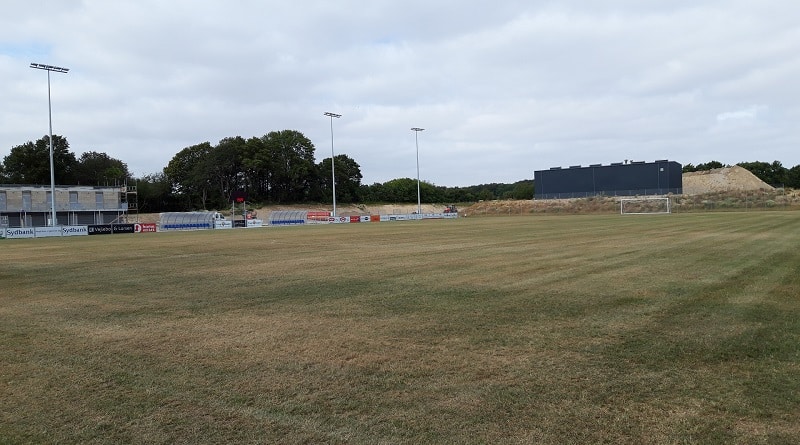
(667, 329)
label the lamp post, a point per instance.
(416, 131)
(57, 69)
(333, 170)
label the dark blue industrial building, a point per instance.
(618, 179)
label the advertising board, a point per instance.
(99, 229)
(74, 231)
(223, 224)
(47, 232)
(123, 228)
(27, 232)
(144, 228)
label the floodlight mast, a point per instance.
(56, 69)
(333, 169)
(416, 131)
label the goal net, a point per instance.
(644, 206)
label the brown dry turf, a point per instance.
(535, 329)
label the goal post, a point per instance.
(651, 205)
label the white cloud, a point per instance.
(501, 88)
(746, 114)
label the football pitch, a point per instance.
(657, 329)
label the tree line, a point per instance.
(277, 168)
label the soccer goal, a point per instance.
(644, 206)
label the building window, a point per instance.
(98, 200)
(26, 200)
(2, 200)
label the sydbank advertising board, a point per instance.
(27, 232)
(74, 230)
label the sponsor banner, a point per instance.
(365, 218)
(27, 232)
(123, 228)
(99, 229)
(74, 231)
(145, 227)
(240, 223)
(47, 232)
(255, 223)
(223, 224)
(375, 218)
(355, 219)
(339, 219)
(318, 216)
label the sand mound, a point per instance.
(722, 179)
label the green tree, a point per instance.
(486, 195)
(522, 190)
(370, 193)
(29, 163)
(95, 168)
(710, 165)
(187, 176)
(348, 179)
(292, 173)
(793, 177)
(773, 174)
(400, 190)
(154, 194)
(254, 164)
(222, 166)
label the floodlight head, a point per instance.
(333, 115)
(41, 66)
(417, 129)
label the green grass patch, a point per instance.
(679, 328)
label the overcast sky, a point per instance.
(502, 88)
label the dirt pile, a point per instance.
(720, 180)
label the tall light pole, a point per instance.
(333, 170)
(416, 131)
(57, 69)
